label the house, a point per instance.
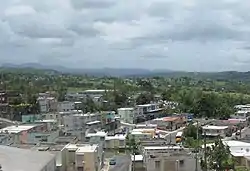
(33, 133)
(65, 106)
(145, 133)
(80, 157)
(166, 158)
(47, 104)
(127, 115)
(214, 131)
(115, 142)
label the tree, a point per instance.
(218, 157)
(132, 146)
(120, 98)
(190, 134)
(144, 98)
(191, 131)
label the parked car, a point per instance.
(112, 161)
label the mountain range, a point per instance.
(115, 72)
(131, 72)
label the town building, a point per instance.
(127, 115)
(47, 104)
(167, 158)
(145, 133)
(115, 142)
(65, 106)
(147, 108)
(78, 157)
(169, 123)
(32, 133)
(215, 131)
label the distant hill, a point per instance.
(115, 72)
(133, 72)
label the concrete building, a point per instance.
(115, 142)
(214, 131)
(99, 139)
(169, 123)
(167, 158)
(146, 108)
(241, 114)
(14, 159)
(77, 122)
(87, 158)
(79, 157)
(146, 133)
(65, 106)
(35, 133)
(47, 104)
(127, 115)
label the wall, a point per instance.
(126, 115)
(90, 162)
(31, 118)
(65, 106)
(51, 166)
(36, 137)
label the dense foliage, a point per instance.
(205, 97)
(218, 157)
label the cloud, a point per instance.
(193, 35)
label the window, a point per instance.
(157, 164)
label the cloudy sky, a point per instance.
(191, 35)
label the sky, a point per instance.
(187, 35)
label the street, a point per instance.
(123, 163)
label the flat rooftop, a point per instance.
(93, 122)
(16, 159)
(46, 121)
(214, 127)
(143, 130)
(17, 129)
(97, 134)
(125, 108)
(116, 137)
(161, 147)
(86, 149)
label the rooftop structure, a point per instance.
(214, 127)
(98, 134)
(87, 149)
(16, 159)
(128, 108)
(17, 129)
(116, 137)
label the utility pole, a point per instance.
(205, 150)
(197, 150)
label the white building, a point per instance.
(146, 108)
(212, 130)
(115, 142)
(65, 106)
(242, 114)
(14, 159)
(84, 157)
(127, 115)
